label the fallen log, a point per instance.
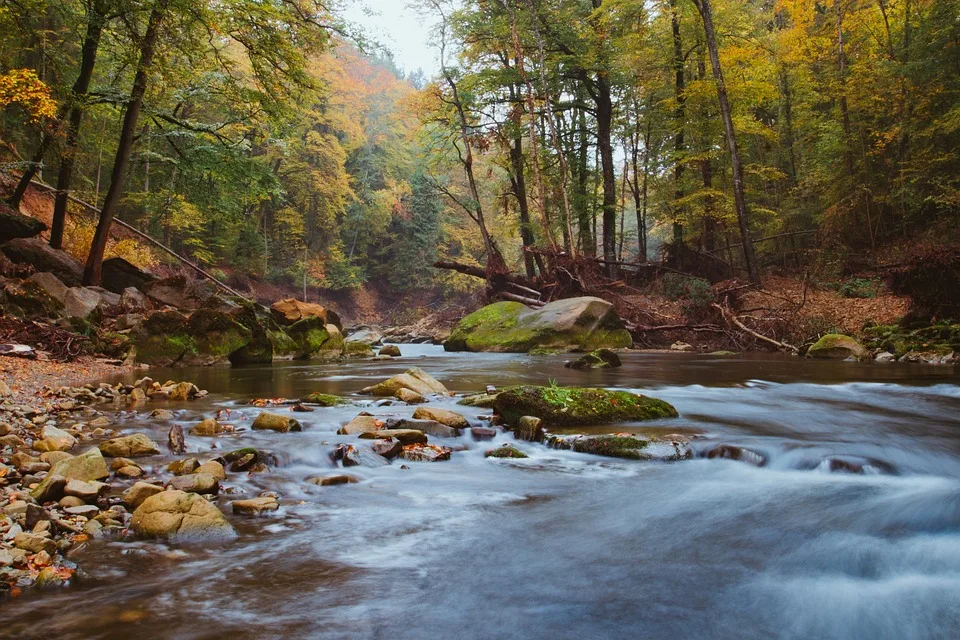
(732, 319)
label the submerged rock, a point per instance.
(624, 446)
(835, 346)
(574, 324)
(332, 481)
(599, 359)
(181, 516)
(572, 406)
(734, 452)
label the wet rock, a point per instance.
(357, 350)
(885, 356)
(408, 396)
(480, 434)
(361, 424)
(835, 346)
(140, 491)
(391, 350)
(208, 427)
(202, 483)
(323, 399)
(183, 467)
(302, 408)
(571, 406)
(183, 391)
(247, 459)
(682, 346)
(415, 379)
(403, 436)
(733, 452)
(86, 491)
(356, 456)
(389, 449)
(855, 465)
(177, 515)
(425, 453)
(255, 506)
(275, 422)
(599, 359)
(213, 468)
(429, 427)
(443, 416)
(572, 324)
(330, 481)
(33, 543)
(529, 428)
(624, 446)
(506, 451)
(132, 446)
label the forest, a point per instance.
(272, 143)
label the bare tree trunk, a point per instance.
(96, 18)
(739, 196)
(680, 116)
(91, 273)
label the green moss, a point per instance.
(482, 400)
(163, 350)
(612, 446)
(357, 350)
(283, 345)
(599, 359)
(323, 399)
(543, 351)
(572, 406)
(506, 451)
(28, 300)
(837, 346)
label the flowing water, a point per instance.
(567, 545)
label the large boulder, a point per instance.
(572, 406)
(214, 336)
(28, 300)
(14, 224)
(181, 516)
(290, 311)
(132, 446)
(574, 324)
(312, 340)
(259, 349)
(118, 274)
(51, 285)
(835, 346)
(415, 379)
(162, 338)
(42, 257)
(626, 446)
(179, 292)
(81, 302)
(88, 466)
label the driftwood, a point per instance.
(733, 320)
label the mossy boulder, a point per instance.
(599, 359)
(573, 406)
(575, 324)
(215, 336)
(358, 350)
(162, 339)
(260, 348)
(835, 346)
(28, 299)
(314, 341)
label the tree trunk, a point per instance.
(604, 125)
(519, 184)
(680, 116)
(96, 19)
(91, 273)
(739, 196)
(587, 239)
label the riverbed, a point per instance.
(563, 545)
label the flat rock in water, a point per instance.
(415, 379)
(389, 449)
(267, 421)
(429, 427)
(361, 424)
(626, 446)
(443, 416)
(255, 506)
(181, 516)
(571, 406)
(202, 483)
(403, 436)
(332, 481)
(425, 453)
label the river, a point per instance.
(566, 545)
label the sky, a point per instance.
(402, 30)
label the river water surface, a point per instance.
(565, 545)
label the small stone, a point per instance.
(529, 428)
(162, 414)
(5, 391)
(84, 490)
(51, 489)
(140, 491)
(53, 457)
(54, 439)
(16, 507)
(444, 417)
(208, 427)
(480, 434)
(506, 451)
(389, 449)
(102, 421)
(361, 424)
(301, 408)
(425, 453)
(183, 391)
(255, 506)
(130, 471)
(183, 467)
(403, 436)
(70, 501)
(391, 350)
(87, 510)
(429, 427)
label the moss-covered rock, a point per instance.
(162, 339)
(357, 350)
(260, 348)
(29, 300)
(314, 340)
(481, 400)
(215, 336)
(572, 406)
(599, 359)
(323, 399)
(284, 347)
(941, 338)
(575, 324)
(835, 346)
(506, 451)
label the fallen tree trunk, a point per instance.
(733, 320)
